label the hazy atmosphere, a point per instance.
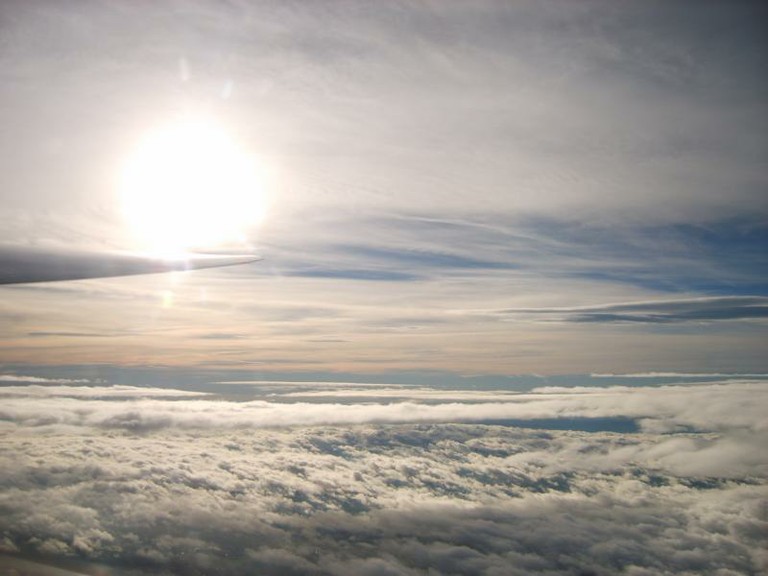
(512, 312)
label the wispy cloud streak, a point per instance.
(655, 312)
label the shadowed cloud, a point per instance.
(407, 499)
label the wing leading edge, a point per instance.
(24, 265)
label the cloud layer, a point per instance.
(178, 486)
(459, 499)
(732, 405)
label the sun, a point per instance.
(188, 185)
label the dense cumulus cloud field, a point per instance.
(153, 481)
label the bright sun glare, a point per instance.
(189, 186)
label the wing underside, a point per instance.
(23, 265)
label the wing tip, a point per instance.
(212, 260)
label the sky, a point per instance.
(476, 188)
(512, 309)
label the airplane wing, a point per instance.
(21, 265)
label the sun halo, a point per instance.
(188, 186)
